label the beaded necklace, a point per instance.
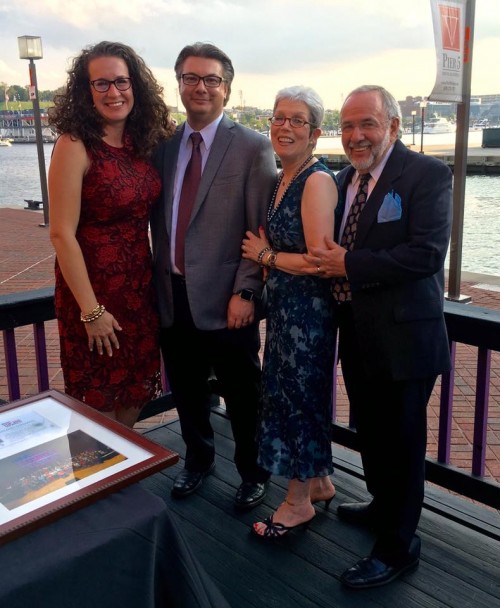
(272, 209)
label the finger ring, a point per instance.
(318, 269)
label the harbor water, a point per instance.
(19, 180)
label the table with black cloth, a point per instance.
(122, 551)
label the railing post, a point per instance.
(9, 345)
(41, 356)
(446, 409)
(335, 373)
(481, 411)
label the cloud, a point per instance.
(331, 45)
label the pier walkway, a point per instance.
(482, 161)
(27, 261)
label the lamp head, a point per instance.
(30, 47)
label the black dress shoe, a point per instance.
(371, 572)
(249, 495)
(187, 482)
(357, 513)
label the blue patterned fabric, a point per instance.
(294, 432)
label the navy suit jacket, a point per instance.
(235, 189)
(396, 267)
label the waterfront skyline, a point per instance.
(331, 45)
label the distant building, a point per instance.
(482, 107)
(490, 98)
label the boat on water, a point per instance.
(438, 125)
(5, 142)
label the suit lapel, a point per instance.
(221, 142)
(389, 175)
(344, 177)
(169, 169)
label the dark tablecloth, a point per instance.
(123, 551)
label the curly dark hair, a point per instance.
(74, 113)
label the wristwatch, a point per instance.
(247, 294)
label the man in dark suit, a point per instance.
(389, 284)
(207, 296)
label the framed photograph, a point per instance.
(57, 455)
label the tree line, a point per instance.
(13, 97)
(17, 93)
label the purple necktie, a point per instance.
(341, 288)
(190, 186)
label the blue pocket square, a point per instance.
(390, 211)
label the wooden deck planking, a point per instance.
(459, 566)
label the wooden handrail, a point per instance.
(471, 325)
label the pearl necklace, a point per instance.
(272, 208)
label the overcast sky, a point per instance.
(330, 45)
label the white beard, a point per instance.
(376, 154)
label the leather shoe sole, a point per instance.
(371, 572)
(360, 513)
(187, 482)
(249, 495)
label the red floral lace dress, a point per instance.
(117, 195)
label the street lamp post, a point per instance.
(413, 114)
(30, 47)
(423, 105)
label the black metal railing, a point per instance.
(18, 310)
(470, 325)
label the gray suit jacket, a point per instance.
(233, 197)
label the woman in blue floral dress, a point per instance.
(294, 433)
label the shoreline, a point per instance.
(20, 226)
(478, 277)
(479, 160)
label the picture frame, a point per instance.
(58, 455)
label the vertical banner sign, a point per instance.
(448, 17)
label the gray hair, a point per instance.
(306, 95)
(391, 106)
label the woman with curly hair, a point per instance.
(110, 117)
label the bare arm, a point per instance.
(67, 168)
(319, 200)
(418, 252)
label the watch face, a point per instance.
(247, 294)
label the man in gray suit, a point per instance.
(207, 299)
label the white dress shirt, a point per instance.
(352, 188)
(185, 150)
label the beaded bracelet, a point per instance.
(261, 255)
(93, 314)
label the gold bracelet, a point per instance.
(261, 255)
(94, 314)
(266, 261)
(271, 259)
